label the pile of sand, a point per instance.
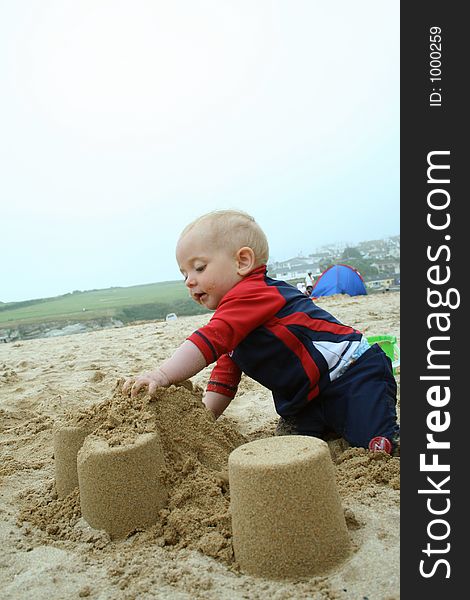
(196, 450)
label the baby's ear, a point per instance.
(246, 260)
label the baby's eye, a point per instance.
(200, 269)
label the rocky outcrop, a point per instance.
(55, 329)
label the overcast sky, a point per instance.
(121, 121)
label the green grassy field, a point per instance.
(149, 301)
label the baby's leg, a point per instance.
(361, 404)
(309, 421)
(286, 426)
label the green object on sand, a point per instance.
(389, 345)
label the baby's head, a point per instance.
(217, 250)
(231, 230)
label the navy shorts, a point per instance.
(358, 406)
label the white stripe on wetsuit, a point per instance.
(340, 355)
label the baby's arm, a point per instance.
(185, 362)
(222, 386)
(216, 402)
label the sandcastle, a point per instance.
(287, 518)
(121, 487)
(67, 441)
(136, 460)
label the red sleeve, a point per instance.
(245, 307)
(225, 377)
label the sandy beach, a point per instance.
(48, 550)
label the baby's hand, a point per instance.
(152, 380)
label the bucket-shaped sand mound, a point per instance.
(121, 487)
(287, 518)
(67, 441)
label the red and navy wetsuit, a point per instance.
(276, 335)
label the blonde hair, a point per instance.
(233, 229)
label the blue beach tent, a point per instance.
(339, 279)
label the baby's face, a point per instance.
(209, 271)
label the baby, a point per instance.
(324, 376)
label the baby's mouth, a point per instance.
(200, 297)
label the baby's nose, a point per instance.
(190, 282)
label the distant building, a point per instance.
(387, 265)
(388, 247)
(380, 284)
(294, 268)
